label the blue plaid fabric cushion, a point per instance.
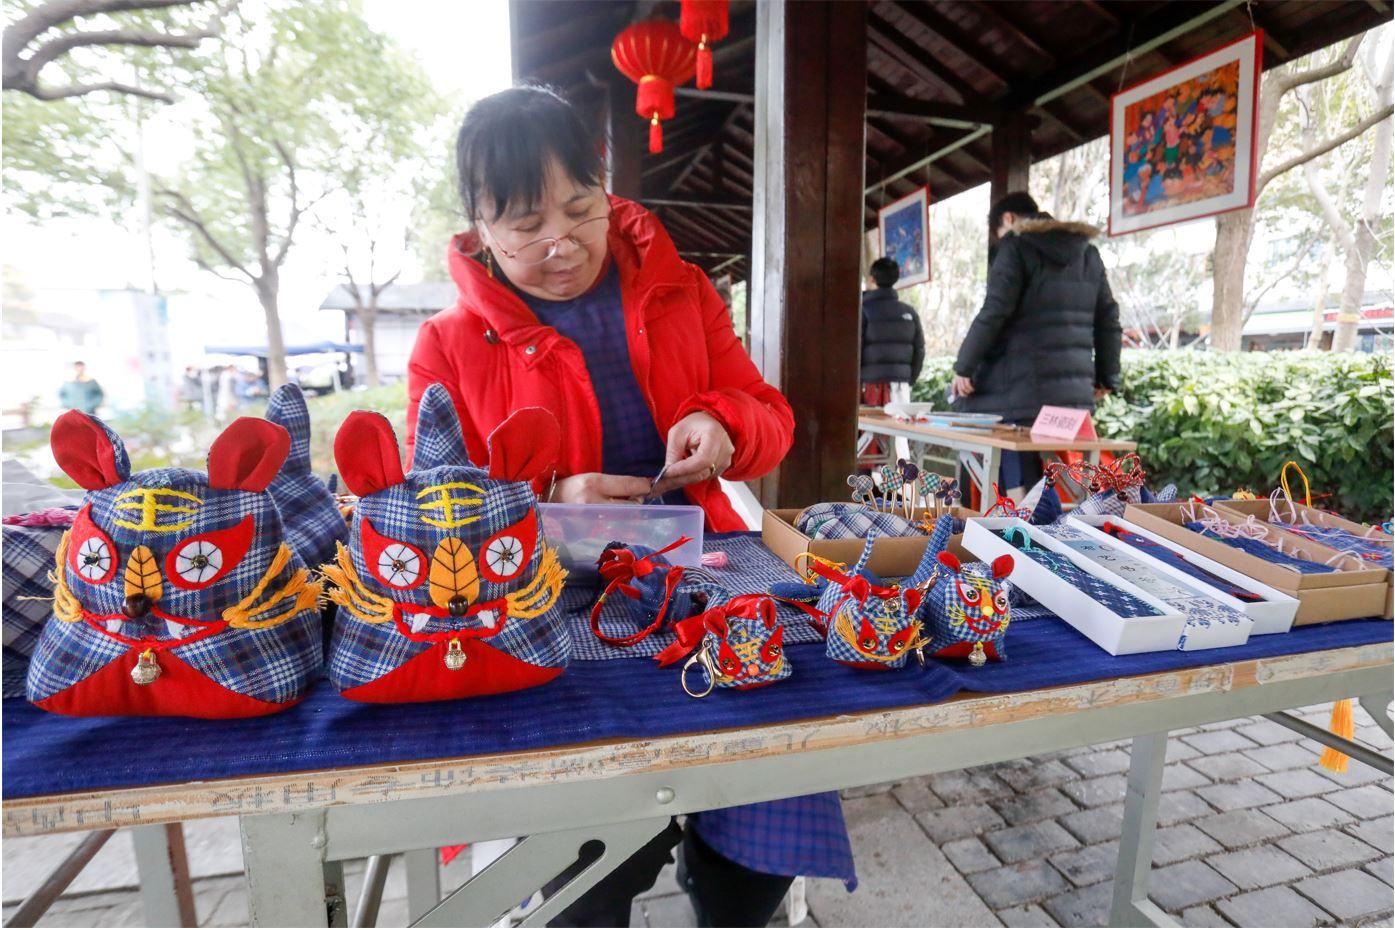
(28, 596)
(308, 512)
(836, 520)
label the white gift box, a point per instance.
(1114, 634)
(1210, 624)
(1273, 614)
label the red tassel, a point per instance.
(704, 67)
(656, 136)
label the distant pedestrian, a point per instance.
(191, 389)
(227, 402)
(893, 342)
(83, 392)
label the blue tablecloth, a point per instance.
(622, 699)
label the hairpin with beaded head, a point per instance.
(910, 471)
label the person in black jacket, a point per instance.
(893, 343)
(1049, 329)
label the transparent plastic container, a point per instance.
(581, 531)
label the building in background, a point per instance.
(402, 308)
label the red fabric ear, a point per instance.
(84, 451)
(950, 561)
(525, 446)
(365, 449)
(247, 455)
(912, 598)
(1002, 566)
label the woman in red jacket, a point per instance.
(578, 302)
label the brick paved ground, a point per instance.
(1252, 833)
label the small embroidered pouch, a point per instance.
(175, 592)
(447, 588)
(739, 644)
(966, 607)
(656, 593)
(868, 625)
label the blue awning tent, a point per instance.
(310, 348)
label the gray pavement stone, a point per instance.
(1094, 764)
(1096, 792)
(1033, 841)
(1089, 865)
(1365, 802)
(1096, 824)
(1234, 796)
(970, 855)
(1228, 766)
(1267, 733)
(1178, 806)
(1347, 895)
(896, 861)
(1218, 741)
(1047, 774)
(1177, 887)
(864, 791)
(952, 823)
(1024, 883)
(1237, 829)
(1384, 869)
(1028, 808)
(1356, 774)
(1327, 849)
(1273, 907)
(1182, 841)
(1029, 916)
(1308, 814)
(1296, 783)
(969, 786)
(1177, 776)
(1379, 833)
(1260, 867)
(230, 909)
(1202, 916)
(915, 795)
(1284, 756)
(1083, 907)
(674, 910)
(1178, 751)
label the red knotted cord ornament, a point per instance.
(704, 22)
(655, 56)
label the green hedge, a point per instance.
(1212, 423)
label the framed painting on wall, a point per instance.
(904, 226)
(1182, 144)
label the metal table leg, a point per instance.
(1378, 706)
(163, 867)
(289, 883)
(1131, 907)
(423, 882)
(526, 867)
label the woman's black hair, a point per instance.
(504, 144)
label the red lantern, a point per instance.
(655, 56)
(704, 22)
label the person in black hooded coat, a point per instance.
(1048, 332)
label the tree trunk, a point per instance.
(368, 323)
(1233, 234)
(1319, 309)
(1353, 289)
(1363, 240)
(267, 296)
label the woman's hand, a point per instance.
(698, 448)
(596, 488)
(963, 386)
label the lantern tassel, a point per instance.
(656, 135)
(704, 65)
(1342, 725)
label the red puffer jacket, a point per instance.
(494, 356)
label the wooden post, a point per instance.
(627, 139)
(811, 67)
(1012, 155)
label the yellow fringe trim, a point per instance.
(348, 591)
(66, 606)
(1344, 725)
(299, 590)
(542, 592)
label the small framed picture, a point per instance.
(1181, 144)
(904, 226)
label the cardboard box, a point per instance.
(1274, 614)
(1114, 634)
(1339, 595)
(1260, 510)
(892, 556)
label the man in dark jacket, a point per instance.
(1049, 329)
(893, 344)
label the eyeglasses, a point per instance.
(540, 250)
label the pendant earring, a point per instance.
(489, 262)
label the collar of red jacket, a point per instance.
(639, 245)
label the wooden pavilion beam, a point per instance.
(984, 9)
(811, 80)
(958, 38)
(917, 61)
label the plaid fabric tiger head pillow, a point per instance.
(175, 592)
(447, 588)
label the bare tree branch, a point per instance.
(1322, 148)
(181, 209)
(77, 90)
(1252, 304)
(1287, 82)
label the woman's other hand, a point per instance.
(963, 387)
(698, 448)
(596, 488)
